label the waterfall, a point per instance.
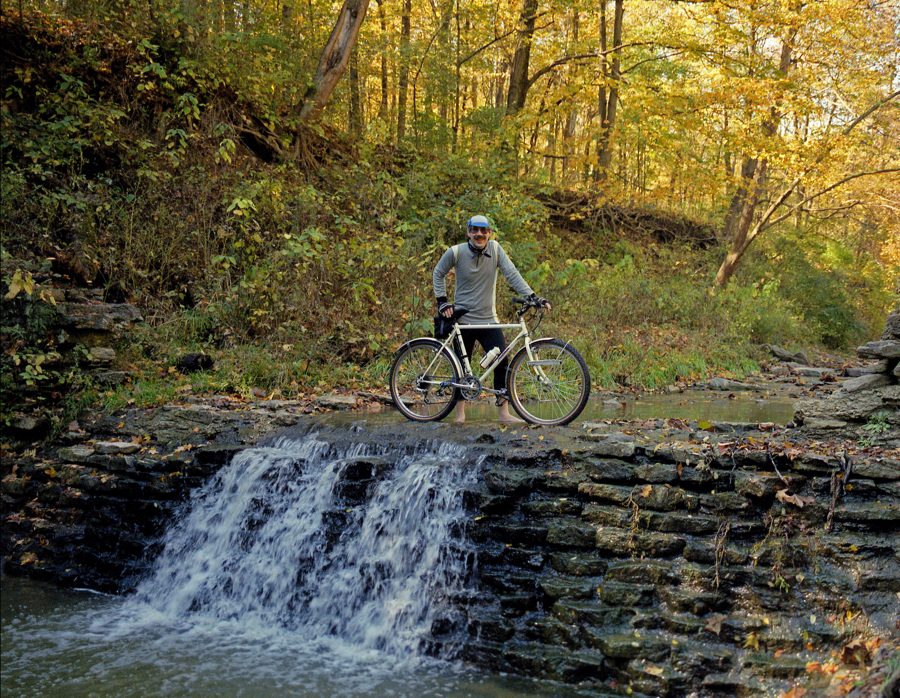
(358, 542)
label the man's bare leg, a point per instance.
(460, 412)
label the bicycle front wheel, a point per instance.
(551, 386)
(421, 377)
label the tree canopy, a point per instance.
(749, 116)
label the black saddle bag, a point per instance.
(443, 326)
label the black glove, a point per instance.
(444, 306)
(536, 301)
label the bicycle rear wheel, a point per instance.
(420, 378)
(551, 388)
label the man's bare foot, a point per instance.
(507, 418)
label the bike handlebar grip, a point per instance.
(519, 300)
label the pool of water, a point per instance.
(77, 644)
(775, 407)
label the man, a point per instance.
(476, 263)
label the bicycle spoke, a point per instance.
(420, 382)
(553, 387)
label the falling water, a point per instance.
(284, 536)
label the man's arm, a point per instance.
(439, 275)
(511, 274)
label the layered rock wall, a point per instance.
(682, 570)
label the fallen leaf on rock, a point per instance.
(714, 624)
(795, 692)
(752, 641)
(795, 499)
(855, 652)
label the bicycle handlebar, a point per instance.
(532, 302)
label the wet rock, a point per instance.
(631, 645)
(116, 448)
(613, 445)
(509, 481)
(557, 588)
(618, 495)
(571, 534)
(553, 508)
(624, 543)
(871, 381)
(728, 385)
(599, 470)
(592, 613)
(578, 565)
(336, 402)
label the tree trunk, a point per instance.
(748, 169)
(747, 198)
(355, 115)
(608, 101)
(334, 59)
(383, 105)
(518, 69)
(741, 241)
(403, 80)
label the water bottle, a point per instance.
(489, 357)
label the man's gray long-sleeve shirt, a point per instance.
(476, 280)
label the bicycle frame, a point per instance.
(455, 345)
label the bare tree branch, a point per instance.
(763, 225)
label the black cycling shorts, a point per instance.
(488, 338)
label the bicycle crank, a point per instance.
(469, 387)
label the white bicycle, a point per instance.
(548, 381)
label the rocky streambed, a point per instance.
(661, 557)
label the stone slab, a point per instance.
(883, 349)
